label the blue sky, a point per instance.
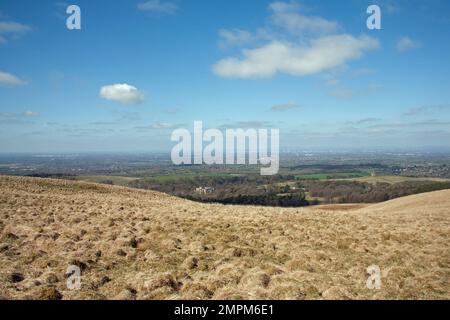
(139, 69)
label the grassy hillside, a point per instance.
(136, 244)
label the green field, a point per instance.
(396, 179)
(327, 176)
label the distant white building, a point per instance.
(204, 190)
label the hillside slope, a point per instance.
(135, 244)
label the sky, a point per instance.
(138, 69)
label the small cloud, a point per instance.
(432, 122)
(247, 125)
(284, 107)
(51, 124)
(337, 89)
(363, 121)
(10, 79)
(362, 72)
(234, 37)
(102, 123)
(131, 117)
(286, 16)
(123, 93)
(162, 125)
(426, 109)
(158, 7)
(30, 114)
(406, 44)
(172, 111)
(374, 87)
(157, 126)
(12, 29)
(341, 92)
(415, 111)
(397, 125)
(11, 118)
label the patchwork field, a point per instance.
(396, 179)
(136, 244)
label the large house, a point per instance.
(204, 190)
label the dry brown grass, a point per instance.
(134, 244)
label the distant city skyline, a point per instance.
(137, 70)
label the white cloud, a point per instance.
(363, 121)
(426, 109)
(15, 118)
(162, 125)
(234, 37)
(10, 79)
(11, 29)
(157, 126)
(247, 125)
(30, 114)
(285, 15)
(341, 92)
(123, 93)
(319, 54)
(406, 43)
(158, 6)
(172, 111)
(285, 107)
(338, 89)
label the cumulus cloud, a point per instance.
(158, 7)
(284, 107)
(319, 54)
(234, 37)
(285, 15)
(406, 43)
(123, 93)
(12, 29)
(291, 43)
(10, 79)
